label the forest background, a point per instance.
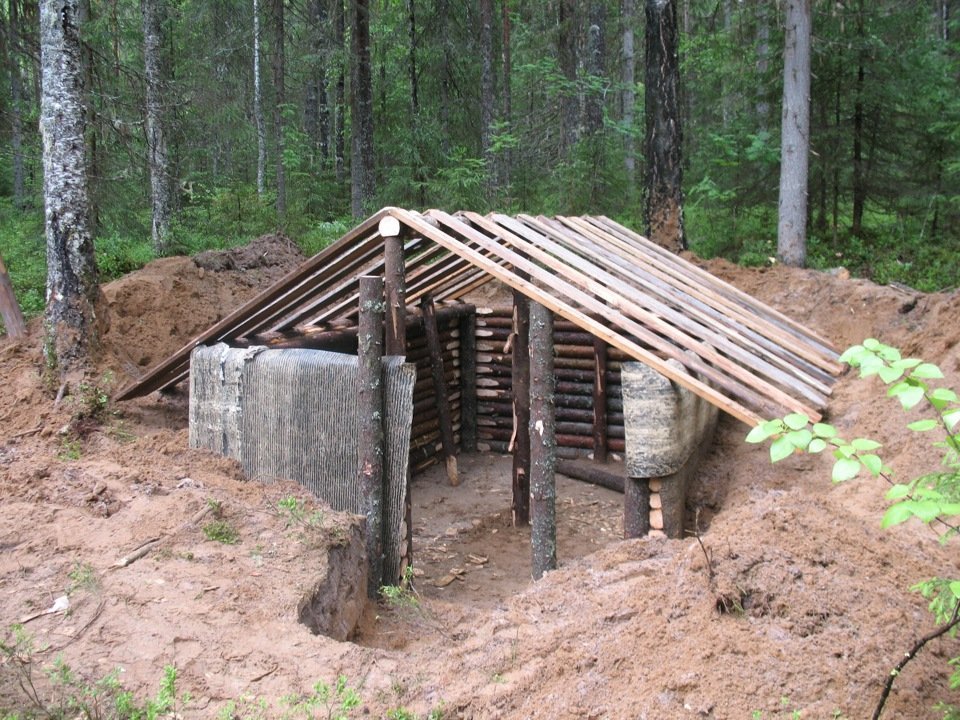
(533, 106)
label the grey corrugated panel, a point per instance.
(293, 414)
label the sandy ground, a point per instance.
(624, 629)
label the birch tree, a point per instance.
(71, 334)
(157, 74)
(795, 135)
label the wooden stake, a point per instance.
(395, 282)
(520, 358)
(370, 437)
(600, 401)
(440, 387)
(468, 382)
(543, 444)
(9, 308)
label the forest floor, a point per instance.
(623, 629)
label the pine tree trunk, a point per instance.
(505, 161)
(664, 170)
(157, 75)
(567, 54)
(543, 443)
(16, 107)
(629, 96)
(279, 101)
(486, 91)
(71, 336)
(258, 106)
(795, 135)
(593, 115)
(859, 186)
(339, 24)
(362, 155)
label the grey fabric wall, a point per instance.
(293, 414)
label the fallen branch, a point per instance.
(910, 654)
(150, 544)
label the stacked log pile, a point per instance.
(574, 370)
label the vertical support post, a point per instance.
(543, 443)
(599, 401)
(636, 507)
(395, 288)
(370, 440)
(468, 382)
(520, 382)
(429, 311)
(9, 308)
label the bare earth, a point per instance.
(624, 629)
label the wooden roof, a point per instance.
(737, 353)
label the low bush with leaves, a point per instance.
(933, 498)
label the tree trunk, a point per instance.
(157, 76)
(258, 106)
(340, 29)
(16, 106)
(520, 385)
(71, 336)
(543, 443)
(629, 96)
(567, 54)
(486, 90)
(664, 175)
(763, 62)
(315, 92)
(280, 99)
(505, 161)
(593, 115)
(795, 135)
(859, 186)
(362, 180)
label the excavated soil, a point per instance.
(796, 599)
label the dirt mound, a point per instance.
(795, 600)
(156, 311)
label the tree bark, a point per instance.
(339, 109)
(280, 99)
(520, 385)
(629, 95)
(315, 122)
(16, 106)
(258, 106)
(859, 186)
(157, 75)
(505, 161)
(486, 91)
(664, 171)
(593, 114)
(543, 443)
(567, 54)
(370, 434)
(362, 180)
(71, 333)
(795, 135)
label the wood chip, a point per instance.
(477, 559)
(444, 581)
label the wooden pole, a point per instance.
(395, 289)
(599, 401)
(543, 444)
(428, 310)
(468, 382)
(370, 437)
(9, 308)
(520, 354)
(636, 507)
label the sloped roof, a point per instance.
(742, 356)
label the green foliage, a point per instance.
(293, 511)
(221, 531)
(58, 692)
(934, 497)
(402, 595)
(336, 702)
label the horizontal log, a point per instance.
(498, 446)
(593, 474)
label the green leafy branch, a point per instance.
(932, 497)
